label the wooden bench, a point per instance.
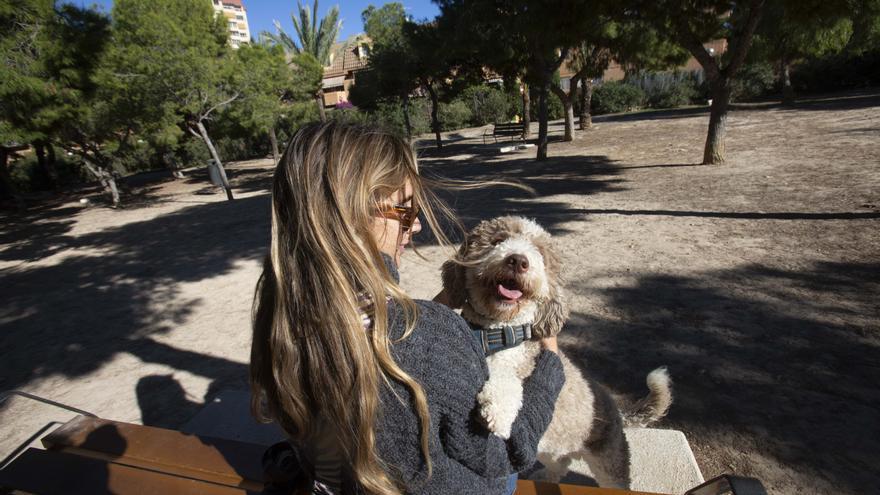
(514, 130)
(92, 455)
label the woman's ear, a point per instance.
(454, 282)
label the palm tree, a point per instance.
(315, 39)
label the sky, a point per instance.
(261, 12)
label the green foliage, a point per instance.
(753, 81)
(364, 93)
(669, 89)
(314, 38)
(455, 115)
(640, 47)
(487, 104)
(838, 71)
(555, 110)
(617, 97)
(306, 76)
(27, 176)
(384, 25)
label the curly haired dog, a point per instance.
(506, 278)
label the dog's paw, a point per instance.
(498, 412)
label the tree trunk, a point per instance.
(543, 93)
(406, 121)
(586, 95)
(714, 150)
(565, 98)
(7, 188)
(527, 111)
(51, 161)
(45, 165)
(319, 100)
(435, 121)
(210, 144)
(787, 89)
(274, 139)
(105, 178)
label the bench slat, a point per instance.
(47, 473)
(212, 459)
(528, 487)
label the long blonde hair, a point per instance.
(311, 357)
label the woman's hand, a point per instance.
(550, 344)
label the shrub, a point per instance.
(454, 115)
(389, 115)
(192, 152)
(753, 81)
(838, 71)
(616, 97)
(555, 110)
(27, 176)
(486, 104)
(669, 89)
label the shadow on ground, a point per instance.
(72, 317)
(560, 175)
(751, 353)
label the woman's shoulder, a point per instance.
(438, 325)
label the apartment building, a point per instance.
(346, 60)
(236, 19)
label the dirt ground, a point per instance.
(756, 282)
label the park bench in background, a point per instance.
(513, 130)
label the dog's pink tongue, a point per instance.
(506, 293)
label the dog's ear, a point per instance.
(552, 311)
(454, 279)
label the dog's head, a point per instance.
(507, 270)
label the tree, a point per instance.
(635, 44)
(22, 87)
(591, 61)
(535, 36)
(865, 16)
(791, 31)
(314, 38)
(271, 88)
(171, 66)
(52, 94)
(393, 60)
(693, 23)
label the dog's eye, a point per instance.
(497, 240)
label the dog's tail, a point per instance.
(653, 406)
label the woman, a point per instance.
(378, 390)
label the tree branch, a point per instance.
(740, 45)
(222, 103)
(693, 44)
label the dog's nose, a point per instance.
(518, 263)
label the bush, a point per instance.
(389, 115)
(555, 110)
(669, 89)
(753, 81)
(27, 176)
(191, 152)
(838, 71)
(486, 104)
(616, 97)
(454, 115)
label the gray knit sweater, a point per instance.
(443, 357)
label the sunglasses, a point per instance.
(406, 215)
